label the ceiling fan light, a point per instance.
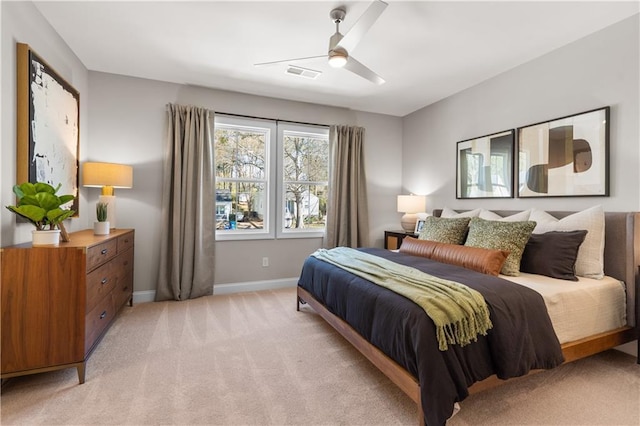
(337, 60)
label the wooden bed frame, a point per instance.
(622, 260)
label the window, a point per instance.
(271, 179)
(303, 180)
(243, 151)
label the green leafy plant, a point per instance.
(101, 211)
(39, 204)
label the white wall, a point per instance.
(122, 119)
(128, 123)
(23, 23)
(601, 69)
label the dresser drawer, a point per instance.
(124, 284)
(97, 320)
(123, 264)
(100, 253)
(101, 282)
(123, 291)
(125, 242)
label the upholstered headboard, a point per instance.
(621, 251)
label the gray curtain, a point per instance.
(188, 206)
(347, 215)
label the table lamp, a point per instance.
(410, 205)
(107, 176)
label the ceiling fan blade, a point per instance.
(364, 72)
(289, 60)
(359, 29)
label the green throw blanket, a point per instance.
(459, 312)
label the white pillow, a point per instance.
(447, 212)
(517, 217)
(590, 260)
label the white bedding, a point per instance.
(579, 308)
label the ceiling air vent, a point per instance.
(302, 72)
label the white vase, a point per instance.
(49, 237)
(101, 228)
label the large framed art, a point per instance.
(484, 166)
(48, 125)
(565, 157)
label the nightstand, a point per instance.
(393, 239)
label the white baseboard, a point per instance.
(144, 296)
(254, 286)
(150, 295)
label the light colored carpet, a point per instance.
(251, 359)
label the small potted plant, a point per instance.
(39, 204)
(101, 227)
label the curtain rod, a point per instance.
(272, 119)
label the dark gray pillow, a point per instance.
(553, 254)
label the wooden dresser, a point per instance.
(58, 301)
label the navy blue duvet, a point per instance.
(522, 337)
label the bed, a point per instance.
(389, 330)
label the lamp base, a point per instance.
(408, 222)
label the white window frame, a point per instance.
(268, 231)
(313, 131)
(273, 225)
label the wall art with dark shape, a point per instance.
(485, 166)
(568, 156)
(48, 130)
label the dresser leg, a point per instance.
(81, 371)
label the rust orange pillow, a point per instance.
(486, 261)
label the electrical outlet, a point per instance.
(265, 262)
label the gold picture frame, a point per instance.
(48, 125)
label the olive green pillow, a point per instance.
(498, 235)
(445, 230)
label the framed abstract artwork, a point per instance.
(484, 166)
(565, 157)
(48, 125)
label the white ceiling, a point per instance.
(425, 50)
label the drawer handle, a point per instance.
(104, 281)
(104, 251)
(103, 314)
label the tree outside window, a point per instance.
(306, 174)
(271, 180)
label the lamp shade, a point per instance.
(411, 203)
(107, 174)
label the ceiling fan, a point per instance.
(340, 45)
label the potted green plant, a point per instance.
(101, 227)
(39, 204)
